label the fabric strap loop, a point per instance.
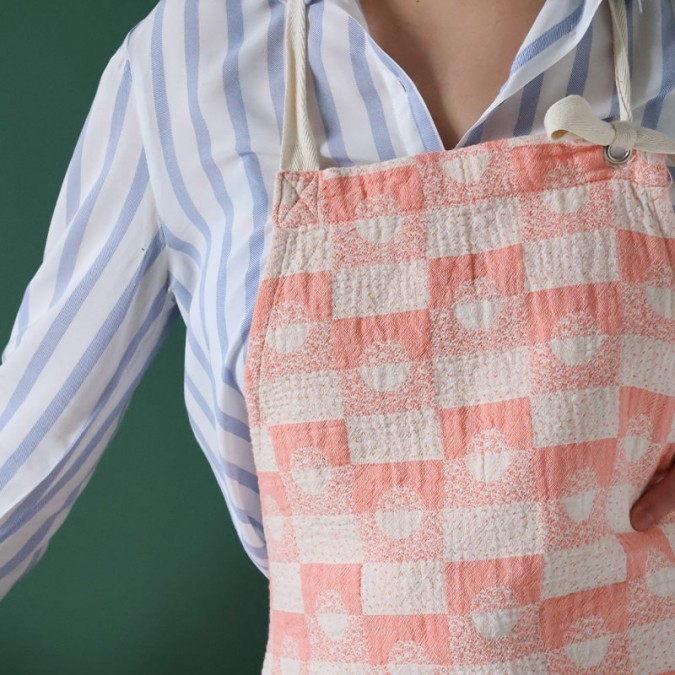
(573, 114)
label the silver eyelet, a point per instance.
(616, 160)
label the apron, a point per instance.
(460, 377)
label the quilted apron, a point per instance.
(460, 377)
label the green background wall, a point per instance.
(146, 575)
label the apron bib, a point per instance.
(460, 377)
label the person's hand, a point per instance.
(656, 502)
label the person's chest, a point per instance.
(212, 101)
(209, 84)
(458, 54)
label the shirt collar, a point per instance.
(558, 28)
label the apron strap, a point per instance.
(298, 150)
(573, 114)
(617, 9)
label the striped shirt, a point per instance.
(164, 212)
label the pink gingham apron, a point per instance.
(460, 376)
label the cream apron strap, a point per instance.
(573, 114)
(617, 9)
(298, 150)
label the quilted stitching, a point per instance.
(461, 377)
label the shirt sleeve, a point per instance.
(91, 319)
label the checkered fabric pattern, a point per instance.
(460, 376)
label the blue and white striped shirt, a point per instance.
(164, 212)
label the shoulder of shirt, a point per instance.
(138, 43)
(165, 26)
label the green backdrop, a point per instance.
(146, 575)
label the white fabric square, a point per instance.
(620, 499)
(411, 587)
(577, 258)
(286, 587)
(328, 539)
(645, 208)
(651, 646)
(532, 663)
(369, 290)
(583, 567)
(648, 364)
(412, 435)
(304, 397)
(483, 377)
(300, 249)
(337, 668)
(264, 457)
(575, 416)
(486, 532)
(483, 226)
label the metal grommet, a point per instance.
(614, 159)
